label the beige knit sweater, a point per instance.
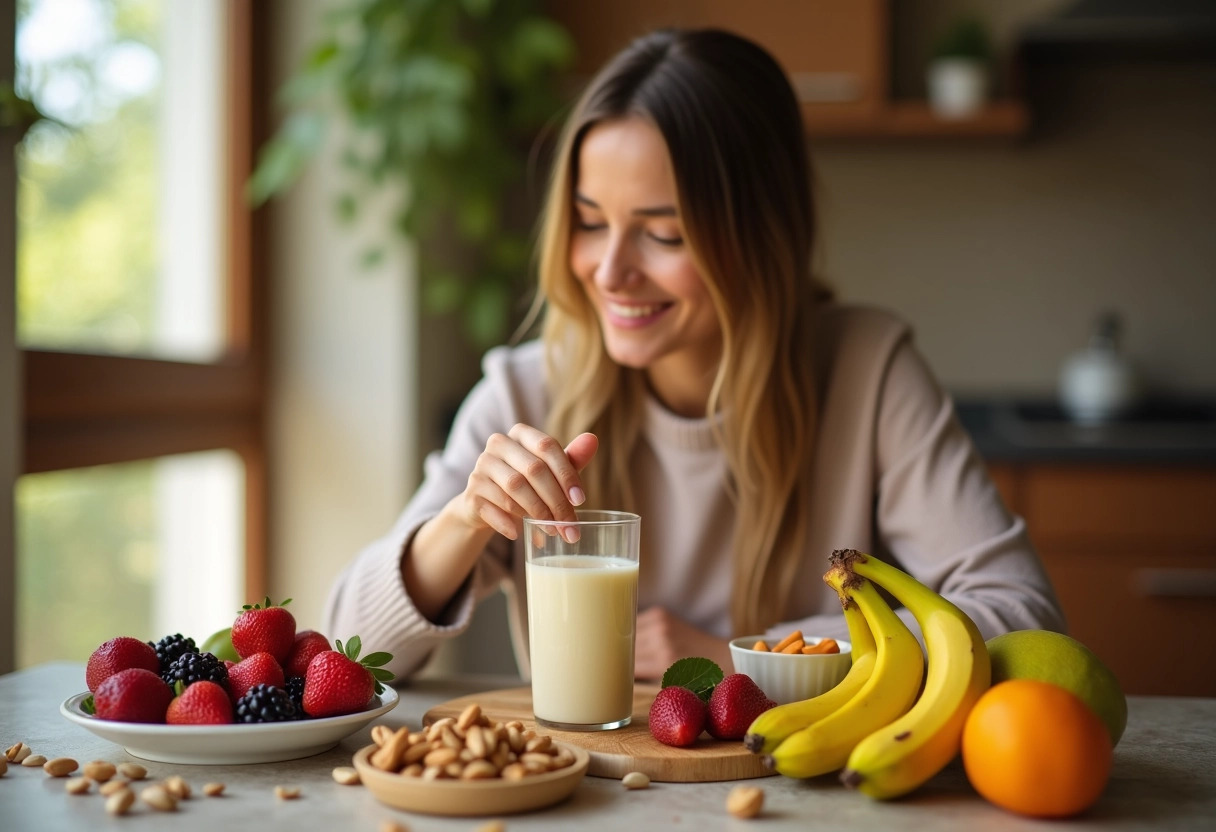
(895, 476)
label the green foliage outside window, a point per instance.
(443, 99)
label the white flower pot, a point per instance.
(958, 87)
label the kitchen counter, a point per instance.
(1164, 778)
(1037, 431)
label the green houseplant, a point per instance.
(443, 99)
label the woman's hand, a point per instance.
(662, 638)
(525, 473)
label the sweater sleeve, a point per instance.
(939, 514)
(369, 598)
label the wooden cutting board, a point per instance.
(616, 753)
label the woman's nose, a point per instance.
(618, 266)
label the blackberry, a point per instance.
(170, 648)
(295, 689)
(266, 703)
(189, 668)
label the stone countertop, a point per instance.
(1038, 432)
(1164, 778)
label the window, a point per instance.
(136, 314)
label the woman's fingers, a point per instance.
(544, 463)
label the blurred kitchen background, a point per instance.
(203, 402)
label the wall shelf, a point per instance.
(900, 119)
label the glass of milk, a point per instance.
(582, 583)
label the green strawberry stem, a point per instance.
(265, 605)
(372, 661)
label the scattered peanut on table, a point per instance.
(745, 801)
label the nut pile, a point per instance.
(468, 747)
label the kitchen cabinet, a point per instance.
(1131, 550)
(837, 55)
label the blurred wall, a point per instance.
(1001, 254)
(342, 432)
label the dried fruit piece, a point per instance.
(213, 789)
(346, 776)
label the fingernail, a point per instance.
(577, 497)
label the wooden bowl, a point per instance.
(472, 798)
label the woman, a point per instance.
(691, 369)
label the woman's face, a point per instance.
(629, 253)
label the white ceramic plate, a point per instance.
(212, 745)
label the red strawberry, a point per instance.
(119, 654)
(734, 705)
(258, 669)
(308, 644)
(264, 629)
(203, 703)
(338, 683)
(677, 716)
(132, 695)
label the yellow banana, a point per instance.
(824, 746)
(904, 754)
(775, 724)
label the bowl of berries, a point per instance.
(261, 692)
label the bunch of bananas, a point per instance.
(887, 734)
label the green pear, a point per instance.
(219, 644)
(1064, 661)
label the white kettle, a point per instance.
(1098, 383)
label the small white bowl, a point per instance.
(789, 677)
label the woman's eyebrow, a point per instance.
(657, 211)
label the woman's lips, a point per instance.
(634, 315)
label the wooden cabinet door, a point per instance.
(834, 51)
(1131, 551)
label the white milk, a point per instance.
(581, 615)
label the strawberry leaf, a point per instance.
(178, 687)
(88, 706)
(380, 674)
(376, 659)
(699, 675)
(353, 645)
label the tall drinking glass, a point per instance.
(582, 609)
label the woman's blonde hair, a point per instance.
(734, 132)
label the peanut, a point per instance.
(3, 766)
(213, 789)
(119, 802)
(111, 787)
(78, 785)
(469, 717)
(381, 734)
(492, 826)
(393, 826)
(60, 766)
(17, 752)
(346, 776)
(33, 761)
(745, 801)
(177, 787)
(479, 770)
(159, 798)
(132, 771)
(390, 756)
(635, 780)
(99, 771)
(286, 792)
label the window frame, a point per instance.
(83, 409)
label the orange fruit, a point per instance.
(1036, 749)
